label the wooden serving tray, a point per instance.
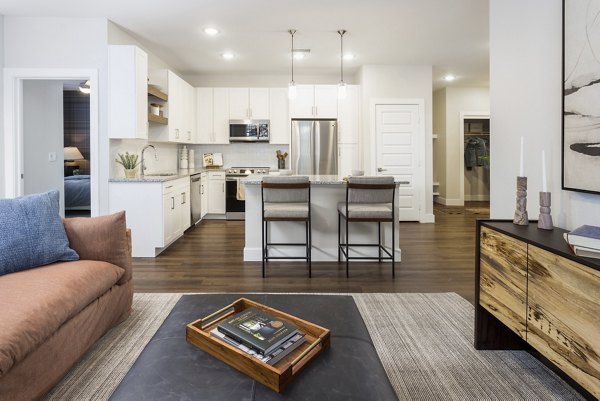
(275, 377)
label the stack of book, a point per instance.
(585, 241)
(259, 334)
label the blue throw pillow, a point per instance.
(32, 233)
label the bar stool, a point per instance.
(368, 199)
(285, 199)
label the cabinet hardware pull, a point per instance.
(172, 202)
(202, 187)
(223, 187)
(170, 186)
(183, 198)
(381, 169)
(316, 110)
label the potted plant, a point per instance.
(130, 163)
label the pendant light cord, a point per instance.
(292, 32)
(342, 32)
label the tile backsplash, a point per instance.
(242, 154)
(234, 154)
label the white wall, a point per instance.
(41, 42)
(525, 97)
(43, 132)
(393, 81)
(264, 80)
(439, 144)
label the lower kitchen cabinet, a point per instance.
(216, 192)
(203, 194)
(157, 212)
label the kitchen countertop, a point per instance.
(163, 178)
(255, 179)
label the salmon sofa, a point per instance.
(51, 315)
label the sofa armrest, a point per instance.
(103, 238)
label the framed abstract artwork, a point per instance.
(581, 96)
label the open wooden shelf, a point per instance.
(154, 91)
(153, 118)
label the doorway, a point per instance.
(475, 157)
(26, 162)
(399, 152)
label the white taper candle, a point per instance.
(544, 181)
(521, 162)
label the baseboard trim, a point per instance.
(427, 218)
(318, 254)
(477, 198)
(449, 202)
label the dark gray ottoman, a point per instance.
(171, 369)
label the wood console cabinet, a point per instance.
(532, 293)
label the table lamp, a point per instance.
(71, 154)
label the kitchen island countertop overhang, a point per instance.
(326, 192)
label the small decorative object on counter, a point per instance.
(281, 159)
(129, 163)
(545, 219)
(183, 158)
(521, 218)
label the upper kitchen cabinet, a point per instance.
(212, 113)
(278, 114)
(249, 103)
(128, 92)
(349, 115)
(314, 101)
(181, 112)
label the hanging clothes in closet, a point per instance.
(476, 153)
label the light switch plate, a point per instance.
(51, 156)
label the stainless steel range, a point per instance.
(235, 204)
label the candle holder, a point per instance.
(521, 218)
(545, 219)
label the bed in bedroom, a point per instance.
(77, 192)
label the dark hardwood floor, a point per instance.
(436, 257)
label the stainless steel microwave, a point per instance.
(248, 130)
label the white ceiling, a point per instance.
(451, 35)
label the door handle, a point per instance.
(381, 169)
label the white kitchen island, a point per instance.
(326, 192)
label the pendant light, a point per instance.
(342, 84)
(292, 84)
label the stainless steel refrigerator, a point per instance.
(314, 147)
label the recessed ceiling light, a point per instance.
(228, 56)
(211, 31)
(349, 56)
(449, 78)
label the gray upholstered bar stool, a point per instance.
(285, 199)
(368, 199)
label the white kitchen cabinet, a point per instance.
(157, 212)
(127, 92)
(303, 105)
(204, 115)
(259, 103)
(314, 101)
(203, 194)
(216, 192)
(180, 110)
(220, 116)
(349, 115)
(326, 101)
(212, 115)
(279, 116)
(248, 103)
(348, 158)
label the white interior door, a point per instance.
(397, 153)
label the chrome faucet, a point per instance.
(143, 162)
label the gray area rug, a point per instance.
(425, 343)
